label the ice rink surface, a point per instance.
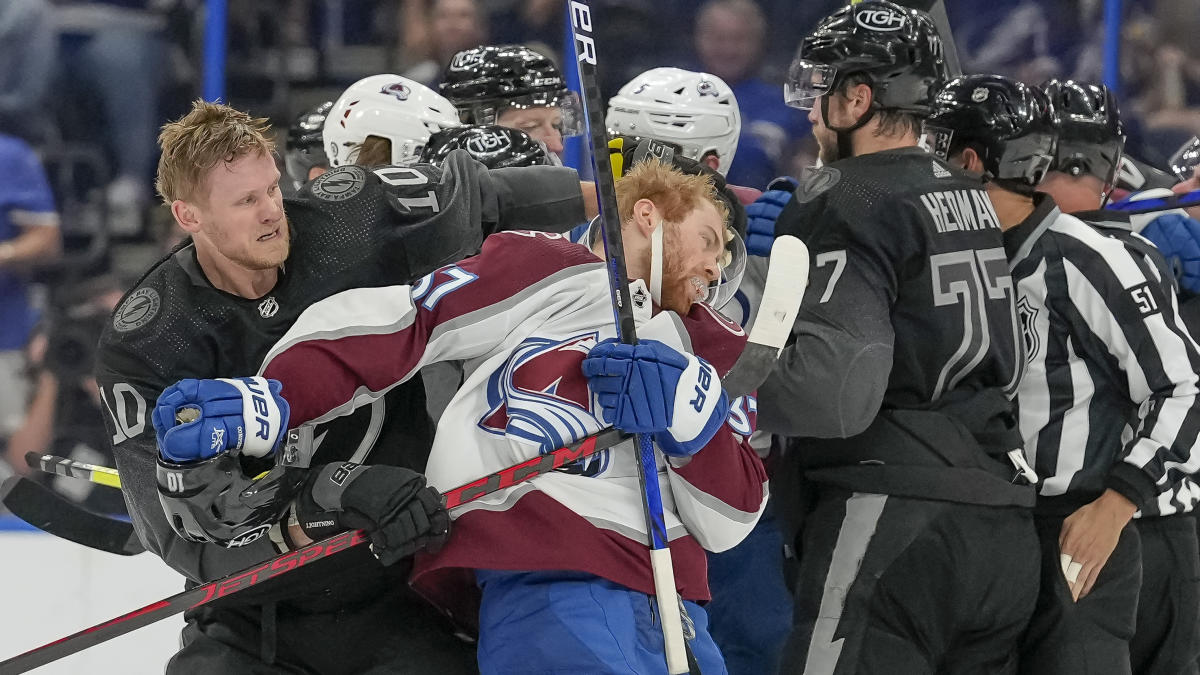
(51, 588)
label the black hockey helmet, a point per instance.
(1091, 137)
(897, 49)
(483, 81)
(1186, 159)
(305, 148)
(1010, 124)
(494, 147)
(232, 500)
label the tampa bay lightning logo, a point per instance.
(541, 396)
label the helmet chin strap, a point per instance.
(656, 263)
(845, 146)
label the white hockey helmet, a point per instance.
(696, 110)
(401, 110)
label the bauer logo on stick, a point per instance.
(581, 18)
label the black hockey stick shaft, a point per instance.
(63, 466)
(271, 569)
(618, 283)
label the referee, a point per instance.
(1090, 143)
(1108, 401)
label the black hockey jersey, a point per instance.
(350, 228)
(905, 352)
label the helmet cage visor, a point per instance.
(806, 82)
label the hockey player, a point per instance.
(384, 119)
(561, 561)
(918, 554)
(513, 86)
(305, 158)
(215, 305)
(1088, 156)
(750, 613)
(1108, 402)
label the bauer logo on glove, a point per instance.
(198, 419)
(653, 389)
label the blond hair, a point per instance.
(673, 192)
(210, 134)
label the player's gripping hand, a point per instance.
(198, 419)
(1178, 237)
(653, 389)
(400, 513)
(762, 214)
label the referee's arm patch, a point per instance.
(1143, 299)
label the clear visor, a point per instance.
(807, 82)
(1184, 162)
(733, 266)
(569, 107)
(1027, 158)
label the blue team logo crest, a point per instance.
(398, 89)
(541, 396)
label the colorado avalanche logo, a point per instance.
(707, 88)
(397, 89)
(541, 396)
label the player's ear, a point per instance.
(711, 160)
(859, 96)
(186, 215)
(971, 161)
(645, 216)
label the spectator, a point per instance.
(27, 58)
(729, 42)
(115, 50)
(28, 233)
(434, 32)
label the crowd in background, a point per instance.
(84, 86)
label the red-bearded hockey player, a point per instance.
(561, 561)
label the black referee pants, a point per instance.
(892, 585)
(1089, 637)
(1167, 639)
(390, 634)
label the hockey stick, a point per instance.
(270, 569)
(50, 512)
(618, 283)
(70, 468)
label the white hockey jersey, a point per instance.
(521, 316)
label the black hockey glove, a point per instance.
(399, 512)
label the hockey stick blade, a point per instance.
(787, 278)
(48, 511)
(275, 567)
(62, 466)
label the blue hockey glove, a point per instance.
(762, 214)
(1178, 237)
(651, 388)
(245, 414)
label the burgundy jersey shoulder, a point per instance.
(715, 338)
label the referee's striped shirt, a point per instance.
(1179, 496)
(1109, 396)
